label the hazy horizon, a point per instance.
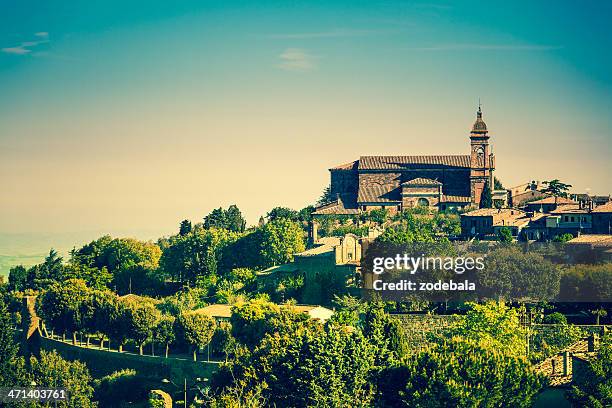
(133, 117)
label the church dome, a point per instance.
(479, 126)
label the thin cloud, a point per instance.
(488, 47)
(340, 32)
(297, 60)
(27, 47)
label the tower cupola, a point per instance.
(479, 127)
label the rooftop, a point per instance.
(551, 200)
(455, 199)
(346, 166)
(605, 208)
(570, 209)
(487, 212)
(335, 207)
(421, 181)
(593, 239)
(376, 193)
(403, 162)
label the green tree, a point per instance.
(309, 367)
(385, 333)
(460, 373)
(52, 267)
(195, 329)
(196, 254)
(95, 278)
(282, 213)
(122, 388)
(504, 234)
(18, 278)
(119, 318)
(164, 332)
(61, 306)
(496, 324)
(556, 188)
(587, 283)
(216, 219)
(132, 263)
(251, 321)
(185, 227)
(143, 318)
(11, 365)
(378, 216)
(563, 237)
(52, 371)
(326, 196)
(281, 239)
(305, 214)
(512, 274)
(555, 318)
(100, 311)
(234, 219)
(497, 184)
(486, 199)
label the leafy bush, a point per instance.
(460, 373)
(555, 318)
(115, 389)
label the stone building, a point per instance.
(400, 182)
(602, 219)
(548, 204)
(328, 268)
(489, 221)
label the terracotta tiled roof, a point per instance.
(346, 166)
(455, 199)
(335, 207)
(605, 208)
(377, 193)
(403, 162)
(551, 200)
(483, 212)
(570, 209)
(594, 239)
(421, 181)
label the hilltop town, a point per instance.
(221, 309)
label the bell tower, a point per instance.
(482, 161)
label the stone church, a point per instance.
(400, 182)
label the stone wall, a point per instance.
(103, 362)
(344, 183)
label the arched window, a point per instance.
(422, 202)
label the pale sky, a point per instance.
(118, 117)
